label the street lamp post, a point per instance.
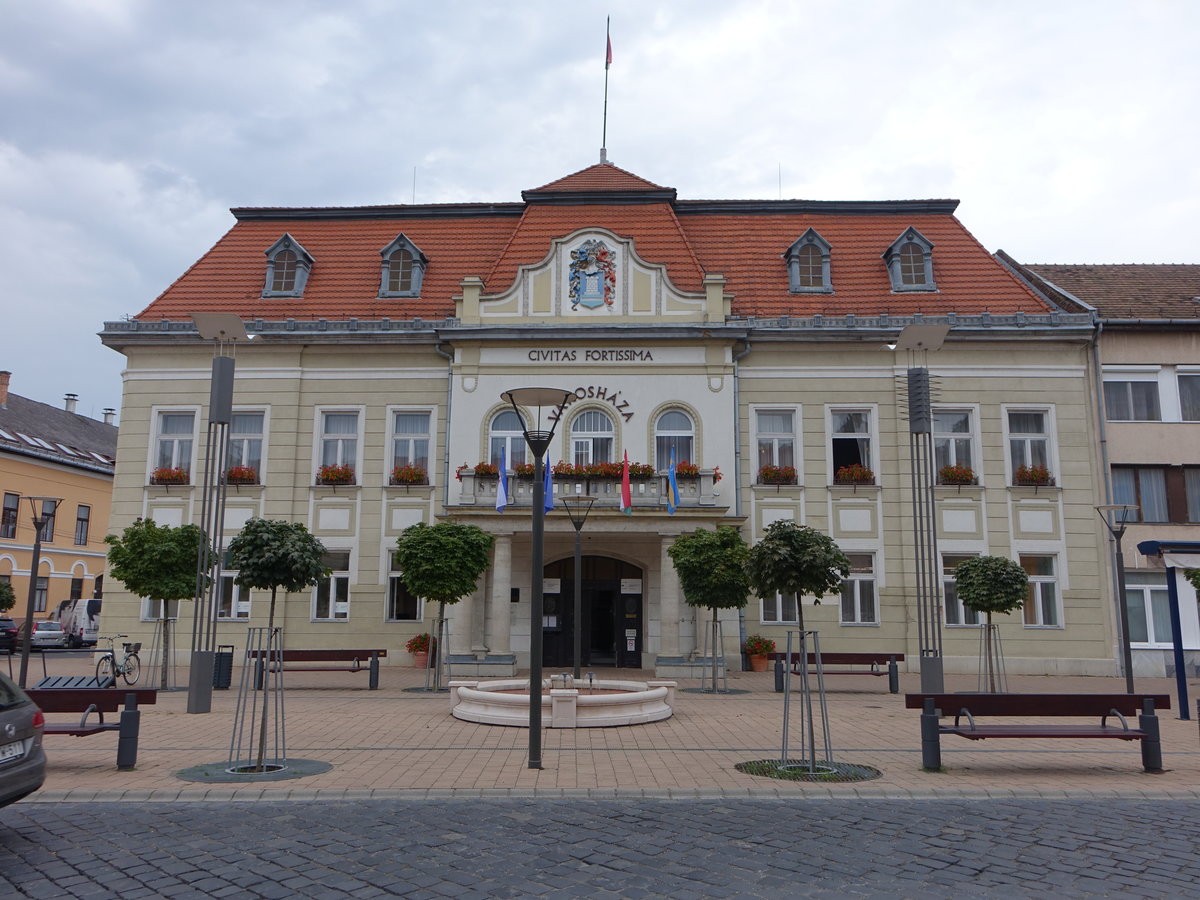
(538, 440)
(41, 515)
(578, 508)
(1122, 600)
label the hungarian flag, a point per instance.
(672, 486)
(626, 491)
(608, 56)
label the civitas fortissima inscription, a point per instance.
(597, 392)
(590, 356)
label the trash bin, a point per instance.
(223, 666)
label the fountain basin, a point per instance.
(506, 702)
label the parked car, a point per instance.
(22, 758)
(8, 635)
(48, 634)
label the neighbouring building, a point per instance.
(46, 452)
(1149, 355)
(748, 338)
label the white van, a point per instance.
(80, 619)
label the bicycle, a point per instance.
(128, 668)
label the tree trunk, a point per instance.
(262, 729)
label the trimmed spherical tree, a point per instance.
(269, 554)
(796, 559)
(990, 584)
(711, 565)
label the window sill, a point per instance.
(329, 490)
(1031, 490)
(839, 488)
(421, 490)
(949, 490)
(251, 490)
(860, 624)
(776, 487)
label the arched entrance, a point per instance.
(613, 628)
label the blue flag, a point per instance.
(548, 489)
(502, 484)
(672, 485)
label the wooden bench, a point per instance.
(877, 664)
(94, 701)
(966, 708)
(290, 658)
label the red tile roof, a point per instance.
(1130, 291)
(742, 240)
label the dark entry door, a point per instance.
(611, 607)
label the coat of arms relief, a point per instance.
(593, 275)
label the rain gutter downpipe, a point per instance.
(449, 357)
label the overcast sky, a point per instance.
(1067, 128)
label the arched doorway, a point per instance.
(613, 629)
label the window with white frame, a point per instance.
(1189, 397)
(1148, 601)
(850, 438)
(8, 519)
(674, 430)
(1029, 439)
(233, 599)
(1144, 487)
(331, 599)
(1042, 608)
(339, 438)
(410, 440)
(83, 520)
(859, 605)
(591, 438)
(779, 609)
(953, 439)
(1131, 401)
(775, 433)
(402, 604)
(956, 613)
(174, 439)
(506, 434)
(246, 442)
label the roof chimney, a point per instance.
(70, 401)
(4, 376)
(108, 416)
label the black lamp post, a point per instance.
(1122, 601)
(538, 440)
(578, 508)
(41, 515)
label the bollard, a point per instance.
(778, 675)
(931, 747)
(127, 734)
(223, 667)
(373, 674)
(893, 676)
(1151, 743)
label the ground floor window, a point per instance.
(331, 600)
(858, 591)
(1041, 605)
(402, 605)
(779, 609)
(956, 613)
(1149, 607)
(40, 592)
(233, 599)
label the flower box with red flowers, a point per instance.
(777, 475)
(956, 474)
(409, 474)
(241, 475)
(170, 475)
(335, 474)
(855, 473)
(1036, 476)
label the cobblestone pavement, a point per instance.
(633, 848)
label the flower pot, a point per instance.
(758, 663)
(420, 659)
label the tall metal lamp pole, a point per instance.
(538, 440)
(1122, 600)
(41, 515)
(578, 508)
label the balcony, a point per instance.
(646, 493)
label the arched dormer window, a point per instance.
(910, 262)
(808, 265)
(403, 269)
(288, 265)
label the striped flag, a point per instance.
(548, 488)
(502, 484)
(608, 57)
(626, 491)
(672, 486)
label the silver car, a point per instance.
(22, 758)
(48, 634)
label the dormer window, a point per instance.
(808, 265)
(403, 269)
(288, 265)
(910, 262)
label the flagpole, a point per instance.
(607, 63)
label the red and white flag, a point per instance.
(626, 491)
(608, 56)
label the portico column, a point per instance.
(668, 602)
(460, 619)
(499, 611)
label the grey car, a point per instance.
(22, 758)
(48, 634)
